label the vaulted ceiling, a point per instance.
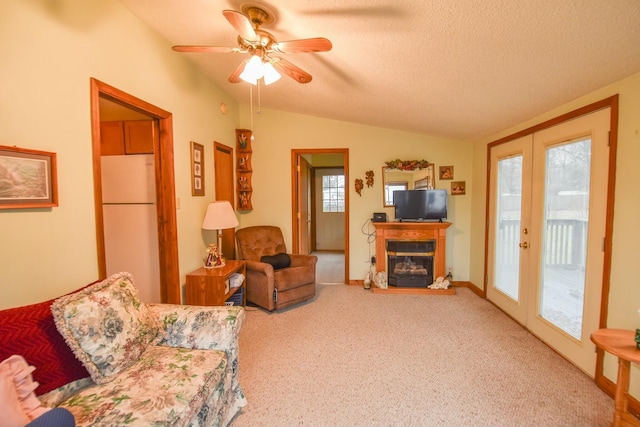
(458, 69)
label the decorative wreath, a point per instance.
(407, 165)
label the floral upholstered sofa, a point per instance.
(112, 360)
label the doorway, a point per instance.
(223, 170)
(546, 262)
(304, 163)
(170, 289)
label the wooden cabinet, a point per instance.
(244, 190)
(128, 137)
(210, 286)
(412, 231)
(111, 138)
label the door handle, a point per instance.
(524, 245)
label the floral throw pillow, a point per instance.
(106, 325)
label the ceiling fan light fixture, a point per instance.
(252, 70)
(270, 74)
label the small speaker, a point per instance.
(379, 217)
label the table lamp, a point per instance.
(219, 216)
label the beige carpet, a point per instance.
(353, 358)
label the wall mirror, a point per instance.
(397, 179)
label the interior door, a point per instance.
(329, 221)
(223, 172)
(546, 231)
(337, 156)
(304, 222)
(170, 288)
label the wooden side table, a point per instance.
(208, 286)
(620, 343)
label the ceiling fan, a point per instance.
(262, 46)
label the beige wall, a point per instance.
(277, 133)
(52, 52)
(624, 297)
(49, 51)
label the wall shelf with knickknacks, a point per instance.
(244, 189)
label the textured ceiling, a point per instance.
(459, 69)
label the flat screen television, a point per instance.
(420, 205)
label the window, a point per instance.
(389, 188)
(333, 193)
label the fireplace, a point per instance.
(410, 263)
(434, 232)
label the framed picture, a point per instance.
(457, 188)
(27, 178)
(197, 169)
(446, 172)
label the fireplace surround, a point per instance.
(408, 235)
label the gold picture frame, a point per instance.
(197, 169)
(445, 172)
(458, 188)
(29, 178)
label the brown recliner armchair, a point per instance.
(275, 279)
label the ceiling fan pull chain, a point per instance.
(251, 109)
(259, 104)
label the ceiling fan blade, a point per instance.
(235, 76)
(317, 44)
(291, 70)
(242, 24)
(207, 49)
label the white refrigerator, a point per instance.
(130, 221)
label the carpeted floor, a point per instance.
(353, 358)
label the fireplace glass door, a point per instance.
(410, 263)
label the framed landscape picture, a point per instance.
(27, 178)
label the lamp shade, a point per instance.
(269, 73)
(252, 70)
(220, 215)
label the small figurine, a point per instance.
(244, 200)
(213, 257)
(242, 140)
(359, 186)
(242, 162)
(243, 183)
(440, 283)
(369, 175)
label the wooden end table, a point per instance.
(209, 286)
(620, 343)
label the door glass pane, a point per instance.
(508, 214)
(333, 193)
(564, 235)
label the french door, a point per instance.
(547, 218)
